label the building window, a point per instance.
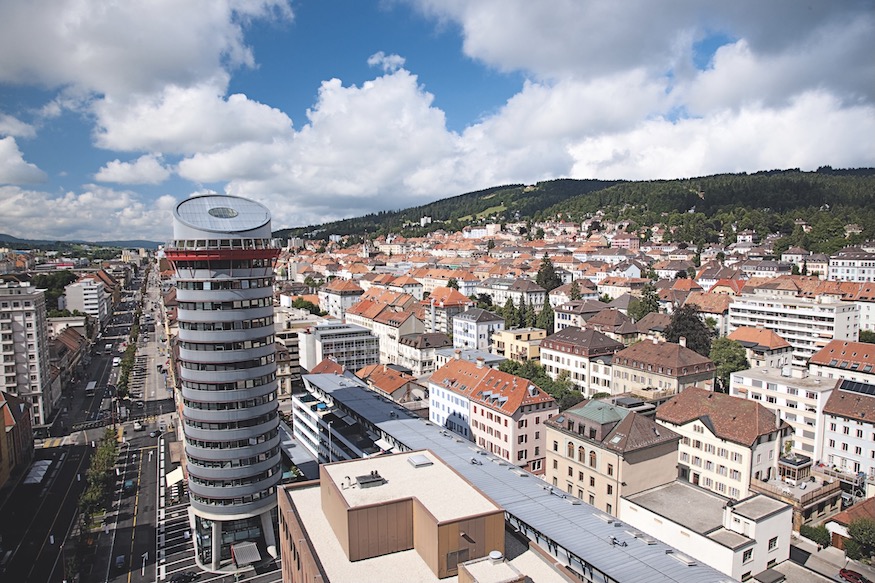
(747, 557)
(569, 451)
(610, 469)
(555, 446)
(592, 459)
(773, 543)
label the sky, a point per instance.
(113, 112)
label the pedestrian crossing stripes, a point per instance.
(55, 442)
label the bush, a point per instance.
(818, 534)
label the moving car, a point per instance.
(852, 576)
(155, 433)
(186, 577)
(138, 426)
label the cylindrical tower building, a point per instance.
(224, 262)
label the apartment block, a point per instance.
(849, 432)
(337, 296)
(349, 345)
(473, 329)
(807, 324)
(89, 296)
(599, 452)
(520, 344)
(794, 395)
(657, 370)
(418, 352)
(763, 348)
(852, 264)
(584, 355)
(25, 348)
(725, 441)
(840, 359)
(502, 413)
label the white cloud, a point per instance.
(115, 214)
(389, 63)
(11, 126)
(124, 47)
(186, 120)
(812, 131)
(13, 168)
(146, 169)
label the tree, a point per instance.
(867, 336)
(546, 318)
(861, 545)
(818, 534)
(574, 291)
(686, 323)
(649, 302)
(547, 277)
(730, 357)
(453, 283)
(511, 315)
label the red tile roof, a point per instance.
(731, 418)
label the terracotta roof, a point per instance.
(447, 296)
(664, 354)
(327, 366)
(731, 418)
(852, 400)
(489, 387)
(384, 378)
(343, 286)
(585, 342)
(759, 337)
(854, 356)
(609, 318)
(864, 509)
(710, 303)
(426, 340)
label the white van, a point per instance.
(138, 426)
(116, 361)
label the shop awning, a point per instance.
(174, 477)
(245, 553)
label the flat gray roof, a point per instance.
(773, 375)
(559, 523)
(222, 213)
(759, 507)
(697, 509)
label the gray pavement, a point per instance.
(826, 561)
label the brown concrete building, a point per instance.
(403, 517)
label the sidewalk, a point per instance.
(829, 560)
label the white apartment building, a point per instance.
(585, 355)
(473, 329)
(389, 326)
(349, 345)
(337, 296)
(740, 539)
(24, 345)
(849, 429)
(794, 394)
(852, 264)
(806, 324)
(725, 441)
(89, 297)
(519, 291)
(505, 414)
(418, 352)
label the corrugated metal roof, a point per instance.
(563, 523)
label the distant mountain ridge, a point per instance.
(9, 240)
(770, 191)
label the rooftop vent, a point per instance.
(371, 480)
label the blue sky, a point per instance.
(110, 114)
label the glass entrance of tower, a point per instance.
(232, 531)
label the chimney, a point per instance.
(480, 361)
(683, 341)
(457, 354)
(384, 368)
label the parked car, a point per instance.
(186, 577)
(852, 576)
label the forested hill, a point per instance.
(496, 204)
(767, 201)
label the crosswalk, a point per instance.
(56, 441)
